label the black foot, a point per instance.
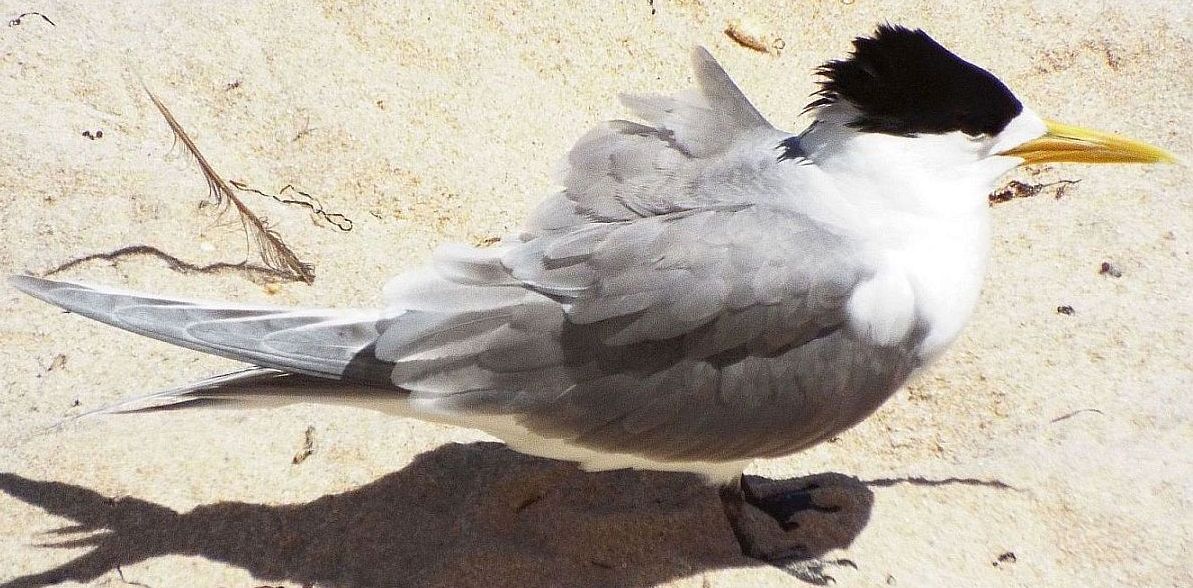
(783, 506)
(762, 522)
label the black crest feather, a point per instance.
(905, 83)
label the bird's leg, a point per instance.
(733, 501)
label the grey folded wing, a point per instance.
(668, 303)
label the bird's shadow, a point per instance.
(475, 514)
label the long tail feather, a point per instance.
(255, 387)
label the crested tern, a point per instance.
(705, 290)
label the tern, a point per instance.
(704, 290)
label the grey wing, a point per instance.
(624, 170)
(663, 305)
(723, 336)
(325, 343)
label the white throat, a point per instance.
(922, 209)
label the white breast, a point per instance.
(919, 207)
(945, 269)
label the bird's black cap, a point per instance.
(905, 83)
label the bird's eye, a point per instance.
(968, 124)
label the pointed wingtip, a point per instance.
(15, 280)
(43, 289)
(703, 61)
(30, 285)
(718, 87)
(710, 76)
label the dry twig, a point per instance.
(1016, 189)
(258, 273)
(340, 221)
(274, 252)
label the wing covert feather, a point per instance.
(667, 303)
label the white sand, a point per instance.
(436, 122)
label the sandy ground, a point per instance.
(1044, 450)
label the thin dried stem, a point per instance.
(274, 252)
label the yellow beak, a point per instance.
(1068, 143)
